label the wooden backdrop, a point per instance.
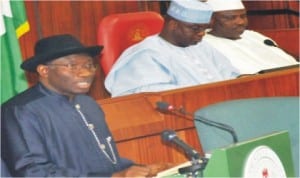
(81, 18)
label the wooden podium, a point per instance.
(136, 124)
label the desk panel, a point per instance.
(136, 124)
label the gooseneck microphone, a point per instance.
(198, 163)
(170, 136)
(269, 42)
(165, 107)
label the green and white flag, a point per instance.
(13, 24)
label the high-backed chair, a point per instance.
(251, 118)
(116, 32)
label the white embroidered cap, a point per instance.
(224, 5)
(191, 11)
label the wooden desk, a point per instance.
(136, 125)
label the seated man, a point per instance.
(173, 58)
(248, 51)
(54, 129)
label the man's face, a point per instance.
(229, 24)
(187, 34)
(70, 75)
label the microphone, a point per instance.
(170, 136)
(167, 108)
(164, 106)
(198, 163)
(269, 42)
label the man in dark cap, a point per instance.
(53, 128)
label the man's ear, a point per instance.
(211, 24)
(42, 70)
(172, 24)
(212, 20)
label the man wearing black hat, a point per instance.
(53, 128)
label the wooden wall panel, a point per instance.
(272, 14)
(293, 5)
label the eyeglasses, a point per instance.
(77, 67)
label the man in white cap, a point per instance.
(248, 51)
(173, 58)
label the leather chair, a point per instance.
(251, 118)
(117, 32)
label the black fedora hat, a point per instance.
(50, 48)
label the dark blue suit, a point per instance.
(44, 135)
(4, 171)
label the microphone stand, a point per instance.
(198, 162)
(198, 165)
(184, 114)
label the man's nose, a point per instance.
(201, 33)
(240, 20)
(85, 72)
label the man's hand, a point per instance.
(156, 168)
(143, 171)
(133, 171)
